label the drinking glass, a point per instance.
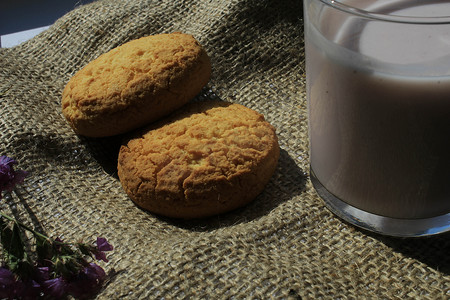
(378, 91)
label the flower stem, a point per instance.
(24, 226)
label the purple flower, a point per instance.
(88, 282)
(6, 277)
(102, 245)
(56, 287)
(8, 176)
(12, 288)
(29, 289)
(42, 274)
(8, 284)
(94, 272)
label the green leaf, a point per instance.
(12, 242)
(24, 269)
(44, 249)
(17, 244)
(6, 237)
(85, 249)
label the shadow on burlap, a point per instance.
(285, 244)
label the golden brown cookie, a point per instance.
(134, 84)
(207, 158)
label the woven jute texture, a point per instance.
(284, 245)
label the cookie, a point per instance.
(208, 158)
(135, 84)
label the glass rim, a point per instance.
(439, 20)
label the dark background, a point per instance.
(20, 15)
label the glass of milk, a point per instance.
(378, 89)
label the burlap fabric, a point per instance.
(285, 244)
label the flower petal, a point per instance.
(99, 255)
(43, 273)
(8, 176)
(56, 287)
(88, 282)
(6, 277)
(95, 272)
(103, 245)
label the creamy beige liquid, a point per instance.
(380, 121)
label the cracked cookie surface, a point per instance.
(207, 158)
(135, 84)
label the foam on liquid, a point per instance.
(414, 43)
